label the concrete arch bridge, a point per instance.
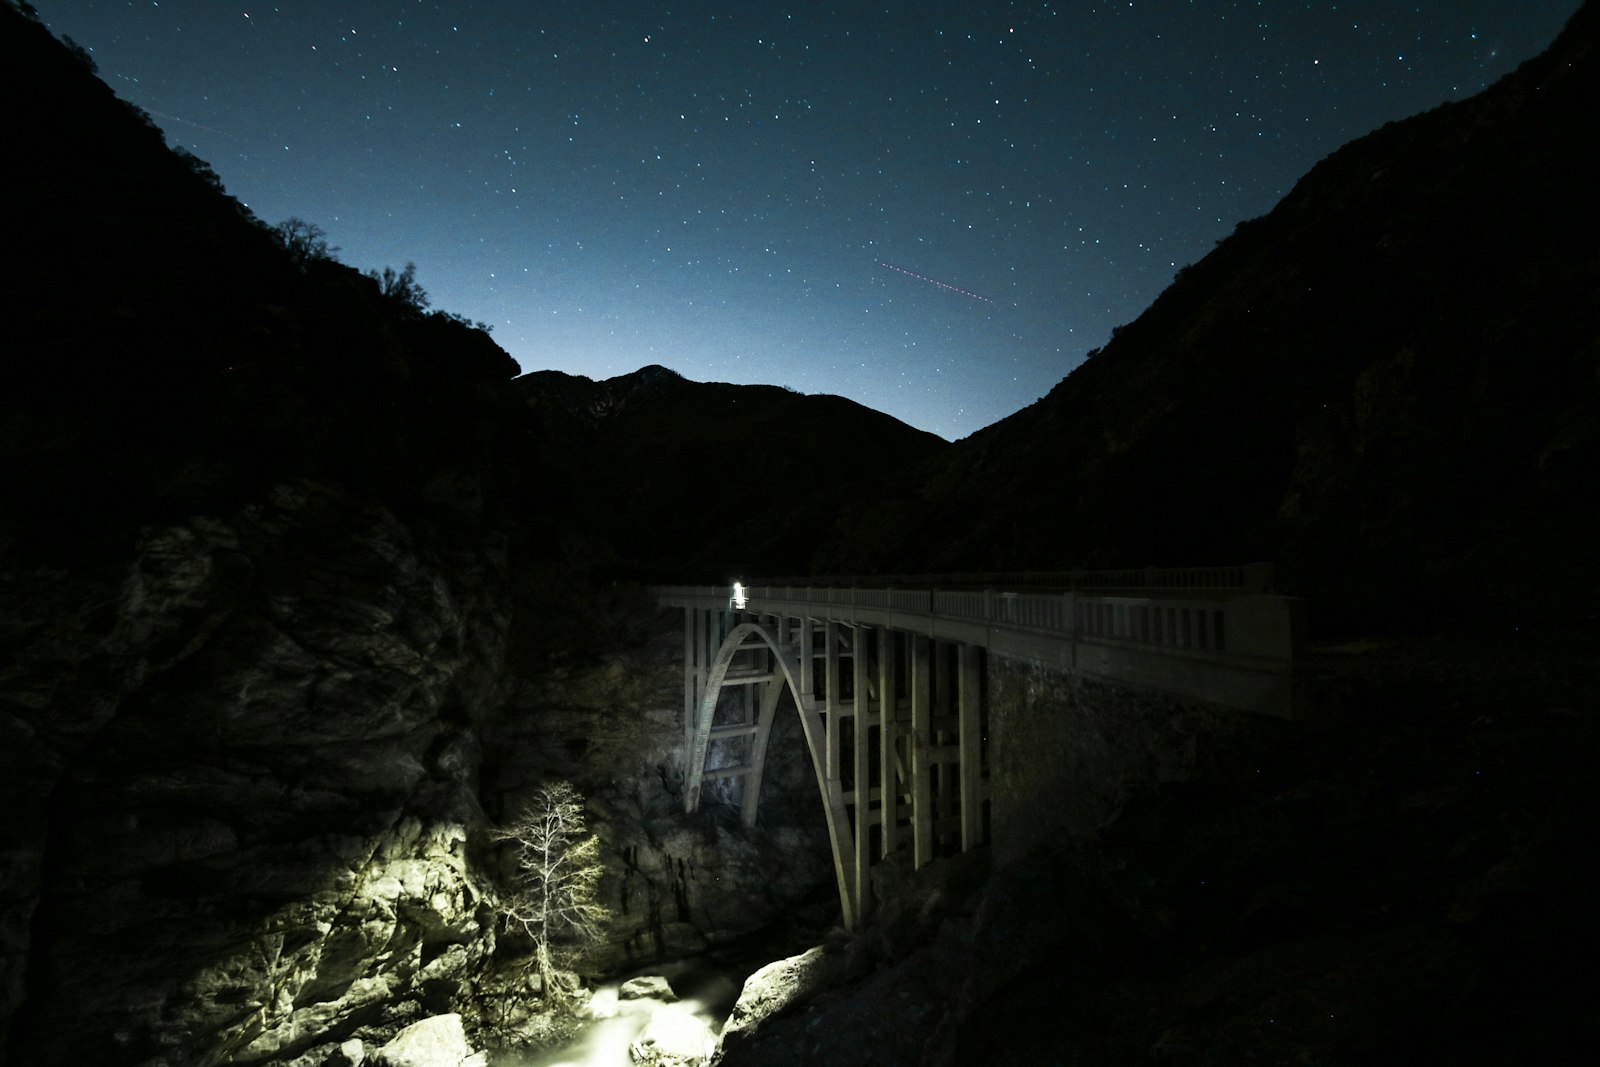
(891, 683)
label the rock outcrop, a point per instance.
(771, 990)
(249, 765)
(438, 1041)
(652, 987)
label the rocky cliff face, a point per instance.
(253, 610)
(248, 761)
(246, 772)
(283, 609)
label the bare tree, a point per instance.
(558, 871)
(400, 287)
(304, 241)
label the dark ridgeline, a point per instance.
(275, 547)
(1387, 379)
(1386, 384)
(164, 353)
(713, 481)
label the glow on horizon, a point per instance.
(742, 195)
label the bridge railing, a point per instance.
(1238, 578)
(1230, 647)
(1243, 625)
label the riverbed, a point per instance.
(706, 992)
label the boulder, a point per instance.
(351, 1053)
(652, 986)
(439, 1041)
(772, 989)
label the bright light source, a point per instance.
(738, 595)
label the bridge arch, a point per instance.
(783, 671)
(893, 723)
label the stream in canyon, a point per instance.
(706, 992)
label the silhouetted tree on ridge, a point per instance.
(305, 242)
(400, 288)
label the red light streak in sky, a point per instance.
(932, 281)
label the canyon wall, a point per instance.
(1068, 752)
(248, 757)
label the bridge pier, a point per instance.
(918, 745)
(867, 721)
(888, 743)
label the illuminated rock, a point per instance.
(652, 987)
(437, 1042)
(352, 1053)
(772, 989)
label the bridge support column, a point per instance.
(839, 830)
(888, 743)
(771, 695)
(861, 768)
(808, 662)
(918, 667)
(696, 624)
(833, 707)
(969, 715)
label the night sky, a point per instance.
(934, 209)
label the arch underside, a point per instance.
(886, 726)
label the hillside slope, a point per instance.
(706, 480)
(1388, 383)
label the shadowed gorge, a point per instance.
(303, 591)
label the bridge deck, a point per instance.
(1223, 646)
(889, 685)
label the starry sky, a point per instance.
(935, 209)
